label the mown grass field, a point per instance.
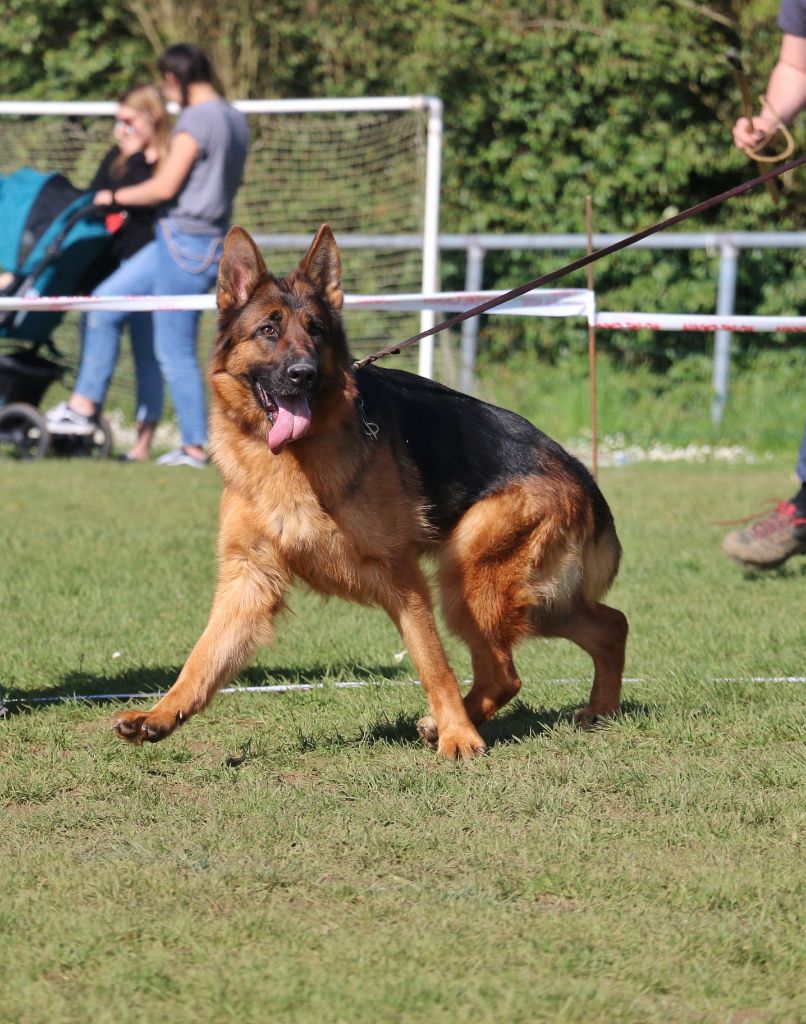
(300, 858)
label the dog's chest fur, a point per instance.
(326, 517)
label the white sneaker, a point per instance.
(63, 420)
(179, 457)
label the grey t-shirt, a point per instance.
(205, 203)
(792, 17)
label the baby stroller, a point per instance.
(50, 237)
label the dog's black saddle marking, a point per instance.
(462, 449)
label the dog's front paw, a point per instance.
(455, 744)
(146, 726)
(460, 744)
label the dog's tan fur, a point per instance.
(343, 514)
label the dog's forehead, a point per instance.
(290, 296)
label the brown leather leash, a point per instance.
(735, 61)
(597, 254)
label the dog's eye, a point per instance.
(268, 330)
(316, 329)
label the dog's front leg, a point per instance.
(241, 619)
(412, 612)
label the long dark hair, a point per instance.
(189, 64)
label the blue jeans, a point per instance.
(175, 263)
(801, 466)
(101, 333)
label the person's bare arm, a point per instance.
(786, 95)
(165, 184)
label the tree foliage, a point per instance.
(544, 103)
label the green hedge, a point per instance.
(544, 104)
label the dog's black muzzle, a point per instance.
(270, 382)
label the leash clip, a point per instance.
(370, 429)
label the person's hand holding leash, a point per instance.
(749, 134)
(785, 98)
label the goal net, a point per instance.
(368, 167)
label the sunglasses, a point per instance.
(126, 125)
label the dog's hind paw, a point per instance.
(427, 729)
(589, 718)
(145, 726)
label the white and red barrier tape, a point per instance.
(698, 322)
(541, 302)
(546, 302)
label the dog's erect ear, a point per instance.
(322, 265)
(241, 270)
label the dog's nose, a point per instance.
(302, 373)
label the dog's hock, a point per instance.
(241, 271)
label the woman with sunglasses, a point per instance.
(195, 188)
(142, 133)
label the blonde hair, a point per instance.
(146, 100)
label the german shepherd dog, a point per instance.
(344, 478)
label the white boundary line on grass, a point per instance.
(761, 679)
(347, 684)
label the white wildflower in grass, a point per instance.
(614, 450)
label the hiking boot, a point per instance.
(179, 457)
(61, 419)
(770, 541)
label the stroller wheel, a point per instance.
(23, 431)
(100, 443)
(97, 445)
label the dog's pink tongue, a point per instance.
(291, 422)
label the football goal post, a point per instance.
(370, 167)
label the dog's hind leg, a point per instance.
(602, 632)
(241, 619)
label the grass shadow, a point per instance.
(520, 721)
(143, 682)
(398, 731)
(512, 725)
(783, 572)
